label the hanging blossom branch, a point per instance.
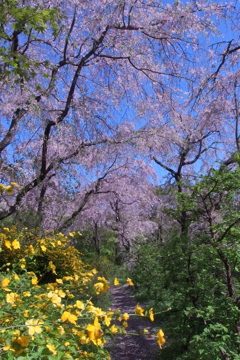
(45, 171)
(95, 190)
(17, 116)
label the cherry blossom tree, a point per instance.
(90, 89)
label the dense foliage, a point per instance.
(195, 273)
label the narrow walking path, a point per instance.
(131, 347)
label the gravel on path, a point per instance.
(132, 347)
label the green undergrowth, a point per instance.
(192, 278)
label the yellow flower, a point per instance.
(52, 266)
(9, 189)
(16, 332)
(16, 277)
(102, 278)
(96, 311)
(160, 338)
(26, 313)
(113, 329)
(61, 330)
(14, 184)
(31, 250)
(84, 339)
(101, 286)
(125, 316)
(74, 331)
(115, 282)
(26, 293)
(23, 340)
(2, 187)
(16, 244)
(129, 282)
(60, 293)
(31, 273)
(54, 298)
(70, 317)
(5, 283)
(94, 331)
(34, 326)
(51, 347)
(34, 281)
(8, 244)
(12, 298)
(151, 315)
(79, 304)
(43, 248)
(139, 310)
(107, 320)
(8, 347)
(71, 296)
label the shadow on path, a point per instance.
(131, 347)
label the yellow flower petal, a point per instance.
(129, 282)
(113, 329)
(12, 298)
(160, 338)
(8, 244)
(34, 281)
(5, 283)
(151, 315)
(16, 244)
(51, 347)
(67, 316)
(79, 304)
(125, 316)
(139, 310)
(115, 282)
(34, 326)
(9, 189)
(23, 341)
(94, 331)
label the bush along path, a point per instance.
(139, 342)
(47, 310)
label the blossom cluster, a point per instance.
(46, 308)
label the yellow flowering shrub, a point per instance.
(50, 257)
(8, 189)
(46, 312)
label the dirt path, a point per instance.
(130, 347)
